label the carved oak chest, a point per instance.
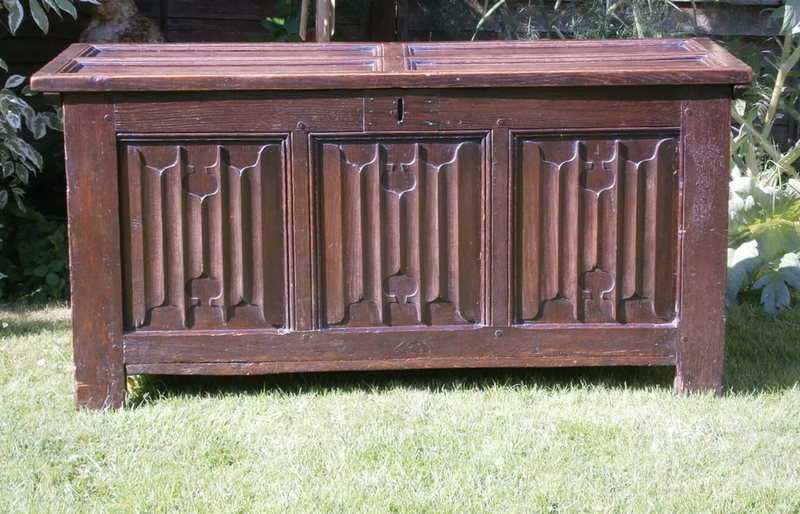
(270, 208)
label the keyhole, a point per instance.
(400, 110)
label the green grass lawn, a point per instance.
(459, 441)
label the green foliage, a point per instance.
(38, 10)
(286, 25)
(764, 228)
(764, 203)
(19, 121)
(33, 256)
(33, 260)
(19, 161)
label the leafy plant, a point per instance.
(764, 204)
(18, 159)
(38, 11)
(764, 230)
(33, 256)
(19, 121)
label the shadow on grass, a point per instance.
(153, 387)
(24, 319)
(15, 328)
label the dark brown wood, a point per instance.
(701, 347)
(567, 343)
(186, 67)
(385, 226)
(302, 251)
(400, 229)
(92, 203)
(595, 227)
(260, 112)
(387, 20)
(535, 108)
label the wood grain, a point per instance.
(228, 66)
(96, 279)
(701, 347)
(595, 227)
(564, 344)
(400, 230)
(209, 215)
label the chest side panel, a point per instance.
(400, 229)
(203, 232)
(595, 227)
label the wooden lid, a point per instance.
(292, 66)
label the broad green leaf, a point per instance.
(9, 101)
(3, 65)
(774, 292)
(8, 169)
(22, 173)
(774, 284)
(14, 120)
(67, 7)
(37, 125)
(15, 14)
(3, 199)
(52, 279)
(777, 236)
(39, 16)
(19, 194)
(51, 5)
(741, 263)
(53, 120)
(14, 81)
(24, 151)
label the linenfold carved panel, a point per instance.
(203, 233)
(400, 230)
(594, 226)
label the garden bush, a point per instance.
(764, 205)
(33, 254)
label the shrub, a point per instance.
(764, 205)
(33, 256)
